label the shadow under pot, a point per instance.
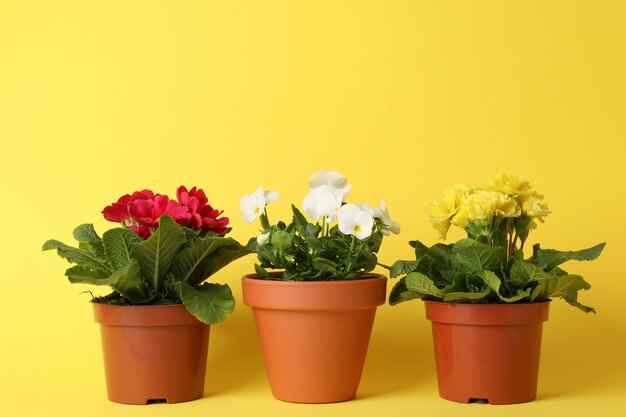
(153, 353)
(314, 334)
(487, 352)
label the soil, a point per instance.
(115, 298)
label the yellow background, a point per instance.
(100, 98)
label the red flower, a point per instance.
(147, 212)
(140, 211)
(118, 212)
(202, 215)
(142, 231)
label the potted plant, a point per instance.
(314, 313)
(155, 322)
(487, 302)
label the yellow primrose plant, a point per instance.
(489, 265)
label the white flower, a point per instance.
(332, 178)
(324, 201)
(253, 205)
(382, 213)
(263, 238)
(354, 221)
(366, 208)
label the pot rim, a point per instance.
(485, 304)
(371, 277)
(314, 295)
(487, 314)
(143, 315)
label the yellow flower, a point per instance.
(443, 212)
(486, 204)
(533, 206)
(457, 194)
(440, 214)
(509, 185)
(461, 218)
(480, 206)
(506, 206)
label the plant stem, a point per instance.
(265, 220)
(349, 263)
(506, 236)
(514, 242)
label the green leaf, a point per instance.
(493, 282)
(519, 295)
(301, 223)
(444, 261)
(572, 298)
(400, 293)
(191, 234)
(474, 257)
(299, 217)
(82, 257)
(204, 257)
(549, 258)
(558, 286)
(469, 296)
(324, 265)
(86, 234)
(156, 254)
(126, 280)
(209, 303)
(422, 285)
(402, 268)
(119, 244)
(312, 230)
(217, 260)
(314, 243)
(261, 271)
(129, 282)
(523, 272)
(80, 274)
(420, 248)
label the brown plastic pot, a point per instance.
(487, 352)
(152, 353)
(314, 334)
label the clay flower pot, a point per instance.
(314, 334)
(152, 353)
(487, 352)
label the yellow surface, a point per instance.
(99, 98)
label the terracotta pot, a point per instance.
(314, 334)
(487, 352)
(152, 353)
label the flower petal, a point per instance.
(249, 217)
(263, 238)
(270, 196)
(325, 177)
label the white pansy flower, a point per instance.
(324, 177)
(366, 208)
(324, 201)
(382, 213)
(354, 221)
(262, 238)
(253, 205)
